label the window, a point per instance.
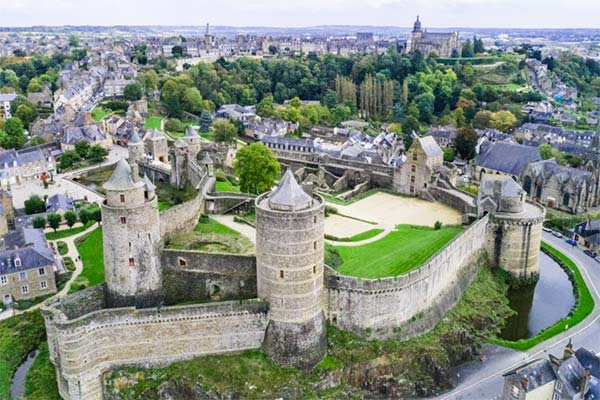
(17, 262)
(515, 391)
(415, 157)
(315, 219)
(556, 396)
(413, 168)
(558, 386)
(123, 220)
(131, 262)
(314, 269)
(412, 179)
(22, 276)
(43, 285)
(182, 262)
(3, 280)
(315, 245)
(41, 271)
(24, 289)
(281, 274)
(122, 198)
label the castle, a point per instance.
(443, 43)
(161, 305)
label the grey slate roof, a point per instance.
(506, 157)
(58, 202)
(289, 196)
(30, 246)
(549, 168)
(90, 133)
(121, 178)
(206, 160)
(430, 146)
(509, 188)
(149, 185)
(536, 372)
(135, 137)
(190, 131)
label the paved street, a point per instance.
(483, 380)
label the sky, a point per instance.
(298, 13)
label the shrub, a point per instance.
(34, 205)
(438, 225)
(173, 125)
(220, 176)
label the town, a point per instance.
(344, 212)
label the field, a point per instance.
(402, 250)
(90, 250)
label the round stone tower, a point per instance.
(135, 146)
(131, 236)
(289, 265)
(193, 141)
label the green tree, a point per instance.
(35, 205)
(39, 222)
(84, 216)
(133, 91)
(70, 218)
(79, 54)
(73, 40)
(264, 108)
(173, 125)
(177, 51)
(54, 220)
(150, 79)
(546, 151)
(26, 114)
(96, 153)
(467, 50)
(482, 119)
(96, 215)
(82, 148)
(465, 142)
(68, 159)
(34, 86)
(257, 168)
(503, 120)
(205, 121)
(449, 154)
(225, 131)
(13, 135)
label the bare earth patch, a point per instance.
(339, 226)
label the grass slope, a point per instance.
(584, 305)
(40, 381)
(153, 122)
(400, 251)
(90, 250)
(226, 186)
(356, 238)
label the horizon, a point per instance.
(474, 14)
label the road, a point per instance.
(483, 380)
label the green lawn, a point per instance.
(207, 225)
(356, 238)
(584, 305)
(40, 381)
(19, 336)
(153, 122)
(98, 113)
(67, 232)
(226, 186)
(402, 250)
(90, 250)
(210, 136)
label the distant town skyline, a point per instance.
(305, 13)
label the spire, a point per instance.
(190, 131)
(134, 138)
(121, 178)
(289, 196)
(417, 25)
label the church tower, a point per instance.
(289, 264)
(131, 236)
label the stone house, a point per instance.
(27, 266)
(443, 135)
(587, 234)
(89, 133)
(43, 98)
(156, 145)
(423, 157)
(503, 158)
(24, 165)
(59, 203)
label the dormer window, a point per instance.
(17, 262)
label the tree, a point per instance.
(70, 218)
(205, 121)
(173, 125)
(449, 154)
(34, 86)
(133, 91)
(478, 46)
(257, 168)
(177, 51)
(264, 108)
(35, 205)
(96, 215)
(503, 120)
(39, 222)
(73, 40)
(467, 50)
(225, 131)
(26, 114)
(54, 220)
(150, 79)
(465, 142)
(84, 216)
(69, 158)
(546, 151)
(82, 148)
(13, 136)
(482, 119)
(79, 54)
(96, 153)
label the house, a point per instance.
(415, 170)
(89, 133)
(5, 99)
(237, 112)
(24, 165)
(587, 234)
(289, 144)
(503, 158)
(27, 266)
(43, 98)
(443, 135)
(575, 376)
(59, 203)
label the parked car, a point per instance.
(597, 259)
(546, 229)
(572, 242)
(557, 234)
(590, 253)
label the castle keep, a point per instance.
(160, 305)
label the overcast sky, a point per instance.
(434, 13)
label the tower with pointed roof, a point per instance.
(192, 139)
(289, 264)
(131, 237)
(135, 146)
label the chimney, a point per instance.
(568, 352)
(585, 382)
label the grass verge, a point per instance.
(90, 250)
(584, 305)
(356, 238)
(67, 232)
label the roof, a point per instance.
(430, 146)
(508, 187)
(549, 168)
(206, 160)
(7, 96)
(506, 157)
(29, 258)
(58, 202)
(121, 179)
(148, 184)
(90, 133)
(134, 138)
(154, 134)
(535, 373)
(289, 196)
(190, 131)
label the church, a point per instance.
(443, 43)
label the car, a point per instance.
(590, 253)
(597, 259)
(571, 242)
(557, 234)
(546, 229)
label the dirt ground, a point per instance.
(389, 210)
(338, 226)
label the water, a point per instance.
(17, 388)
(541, 305)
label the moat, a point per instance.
(541, 305)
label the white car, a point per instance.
(546, 229)
(557, 234)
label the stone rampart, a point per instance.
(98, 341)
(456, 199)
(192, 275)
(383, 307)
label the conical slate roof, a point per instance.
(148, 183)
(289, 196)
(134, 138)
(191, 132)
(206, 160)
(121, 179)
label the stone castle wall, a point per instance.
(382, 306)
(83, 348)
(191, 275)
